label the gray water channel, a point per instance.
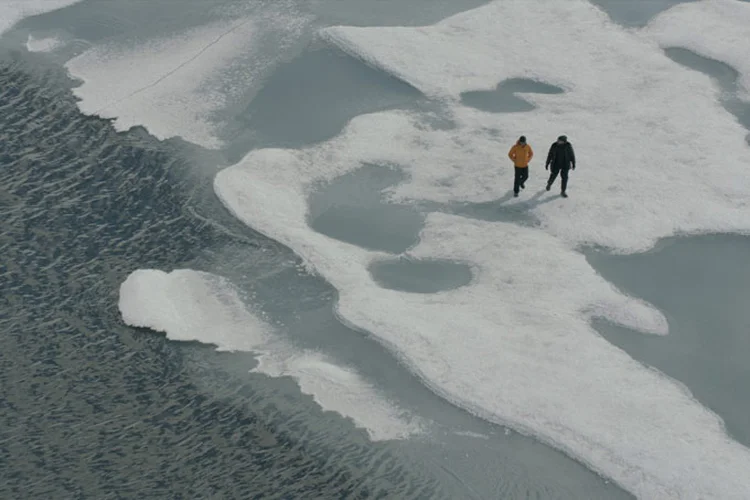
(702, 285)
(322, 90)
(635, 13)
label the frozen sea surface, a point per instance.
(84, 206)
(391, 188)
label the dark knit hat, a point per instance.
(563, 138)
(522, 139)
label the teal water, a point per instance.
(702, 285)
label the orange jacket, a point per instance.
(521, 154)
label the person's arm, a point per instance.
(512, 153)
(572, 157)
(531, 153)
(550, 156)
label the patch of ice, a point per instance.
(42, 44)
(471, 434)
(515, 346)
(342, 390)
(640, 122)
(12, 11)
(175, 86)
(191, 305)
(716, 29)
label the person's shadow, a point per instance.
(500, 209)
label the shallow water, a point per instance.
(635, 13)
(311, 99)
(504, 99)
(725, 76)
(351, 208)
(702, 284)
(421, 276)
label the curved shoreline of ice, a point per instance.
(716, 29)
(538, 367)
(173, 85)
(515, 346)
(196, 306)
(156, 84)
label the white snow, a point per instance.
(639, 121)
(191, 305)
(42, 44)
(174, 86)
(515, 346)
(158, 83)
(12, 11)
(717, 29)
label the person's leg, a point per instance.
(525, 177)
(517, 180)
(552, 176)
(564, 177)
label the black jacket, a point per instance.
(561, 156)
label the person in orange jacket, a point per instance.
(521, 154)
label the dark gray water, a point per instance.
(635, 13)
(94, 409)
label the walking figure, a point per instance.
(521, 154)
(560, 159)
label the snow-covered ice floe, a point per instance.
(716, 29)
(190, 305)
(515, 346)
(175, 85)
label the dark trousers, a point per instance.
(563, 175)
(522, 174)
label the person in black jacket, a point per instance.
(560, 159)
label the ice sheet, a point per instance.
(515, 346)
(717, 29)
(158, 84)
(174, 86)
(190, 305)
(12, 11)
(342, 390)
(640, 123)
